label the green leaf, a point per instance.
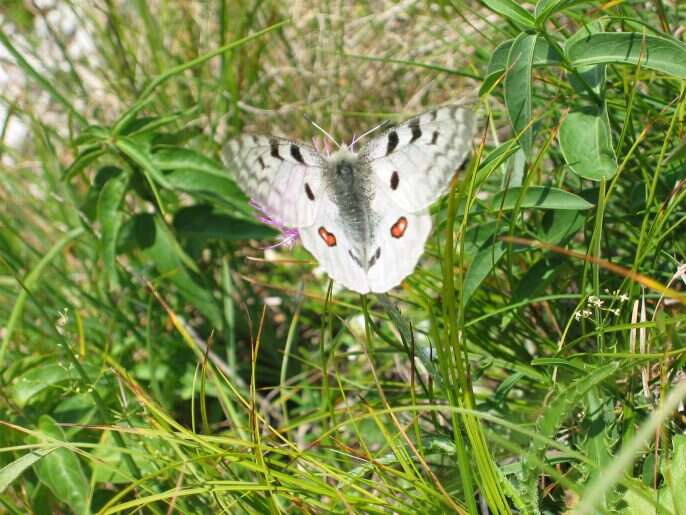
(537, 278)
(544, 55)
(496, 158)
(586, 144)
(84, 159)
(138, 232)
(200, 222)
(110, 218)
(142, 158)
(658, 53)
(191, 180)
(540, 197)
(45, 376)
(175, 158)
(481, 266)
(170, 260)
(109, 467)
(512, 11)
(518, 88)
(642, 500)
(545, 8)
(560, 224)
(61, 470)
(13, 470)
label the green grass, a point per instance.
(152, 360)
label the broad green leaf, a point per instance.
(541, 197)
(138, 232)
(478, 236)
(643, 500)
(84, 159)
(128, 118)
(110, 218)
(176, 138)
(480, 267)
(109, 466)
(175, 158)
(586, 144)
(592, 78)
(170, 261)
(61, 470)
(545, 8)
(43, 377)
(10, 472)
(561, 405)
(537, 278)
(141, 157)
(512, 11)
(200, 222)
(660, 53)
(192, 181)
(560, 224)
(544, 55)
(518, 88)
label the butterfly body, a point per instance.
(348, 185)
(363, 215)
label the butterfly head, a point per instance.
(343, 163)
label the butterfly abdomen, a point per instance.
(349, 181)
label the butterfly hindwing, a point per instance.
(282, 176)
(415, 160)
(396, 244)
(327, 241)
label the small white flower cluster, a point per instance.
(595, 302)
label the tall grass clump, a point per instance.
(155, 358)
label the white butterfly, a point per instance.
(363, 215)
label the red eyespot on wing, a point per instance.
(399, 227)
(328, 237)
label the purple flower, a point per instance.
(289, 235)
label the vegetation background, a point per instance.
(154, 358)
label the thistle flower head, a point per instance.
(289, 235)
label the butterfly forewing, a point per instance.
(415, 160)
(282, 176)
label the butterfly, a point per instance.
(364, 215)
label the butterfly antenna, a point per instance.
(358, 138)
(322, 130)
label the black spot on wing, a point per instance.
(395, 179)
(308, 191)
(416, 131)
(434, 138)
(355, 258)
(375, 257)
(261, 161)
(274, 149)
(392, 142)
(295, 152)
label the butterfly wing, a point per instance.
(327, 241)
(399, 243)
(414, 161)
(283, 177)
(392, 254)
